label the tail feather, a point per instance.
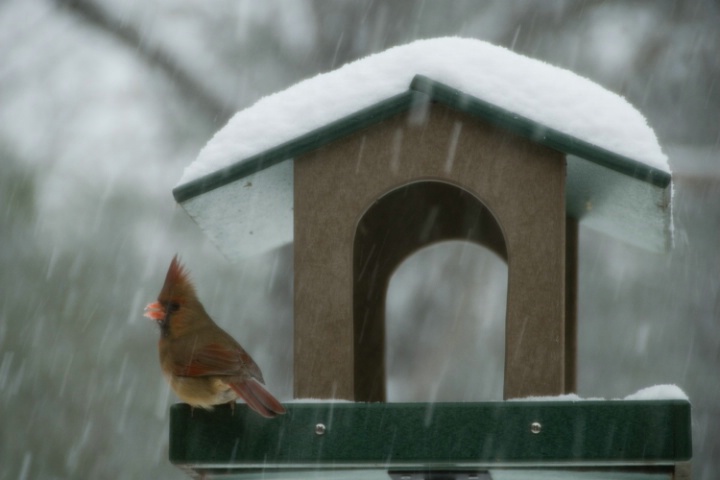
(258, 398)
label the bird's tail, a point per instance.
(258, 398)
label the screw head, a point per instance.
(535, 427)
(320, 429)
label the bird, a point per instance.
(203, 364)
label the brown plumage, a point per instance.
(204, 365)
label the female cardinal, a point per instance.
(204, 365)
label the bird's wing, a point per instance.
(258, 398)
(217, 359)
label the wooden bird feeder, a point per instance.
(357, 197)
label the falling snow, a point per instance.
(98, 121)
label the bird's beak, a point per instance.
(154, 311)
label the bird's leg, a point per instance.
(232, 407)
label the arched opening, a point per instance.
(445, 325)
(397, 225)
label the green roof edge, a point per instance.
(297, 146)
(423, 89)
(537, 132)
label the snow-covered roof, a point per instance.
(548, 104)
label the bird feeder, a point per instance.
(357, 195)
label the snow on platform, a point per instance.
(655, 392)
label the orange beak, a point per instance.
(154, 311)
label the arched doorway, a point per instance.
(445, 325)
(398, 224)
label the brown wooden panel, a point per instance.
(520, 183)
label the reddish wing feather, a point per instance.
(216, 359)
(258, 398)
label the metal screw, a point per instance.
(320, 429)
(535, 427)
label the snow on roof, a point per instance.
(554, 97)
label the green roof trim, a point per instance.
(539, 133)
(588, 434)
(298, 146)
(422, 89)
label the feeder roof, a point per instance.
(618, 176)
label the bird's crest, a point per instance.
(177, 286)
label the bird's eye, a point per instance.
(173, 307)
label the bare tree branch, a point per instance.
(208, 102)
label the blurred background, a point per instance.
(104, 102)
